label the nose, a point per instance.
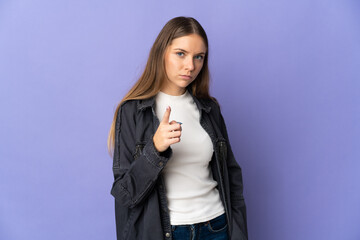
(189, 64)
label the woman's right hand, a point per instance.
(167, 133)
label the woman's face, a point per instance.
(184, 59)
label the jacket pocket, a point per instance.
(138, 150)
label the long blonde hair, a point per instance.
(149, 84)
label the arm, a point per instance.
(236, 187)
(134, 179)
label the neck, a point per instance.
(173, 92)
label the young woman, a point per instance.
(175, 174)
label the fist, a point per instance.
(167, 133)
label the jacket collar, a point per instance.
(202, 104)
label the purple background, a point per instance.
(285, 72)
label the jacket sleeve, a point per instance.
(134, 178)
(236, 188)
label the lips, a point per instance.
(188, 77)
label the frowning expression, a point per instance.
(184, 59)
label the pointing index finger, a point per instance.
(166, 116)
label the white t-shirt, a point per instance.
(190, 188)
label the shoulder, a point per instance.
(129, 105)
(214, 104)
(135, 106)
(127, 109)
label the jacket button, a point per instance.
(160, 164)
(167, 234)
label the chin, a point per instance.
(184, 85)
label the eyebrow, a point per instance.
(187, 51)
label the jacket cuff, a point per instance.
(158, 159)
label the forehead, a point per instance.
(190, 43)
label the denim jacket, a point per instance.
(141, 210)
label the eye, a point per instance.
(199, 57)
(180, 54)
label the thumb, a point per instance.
(166, 116)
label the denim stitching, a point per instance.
(219, 230)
